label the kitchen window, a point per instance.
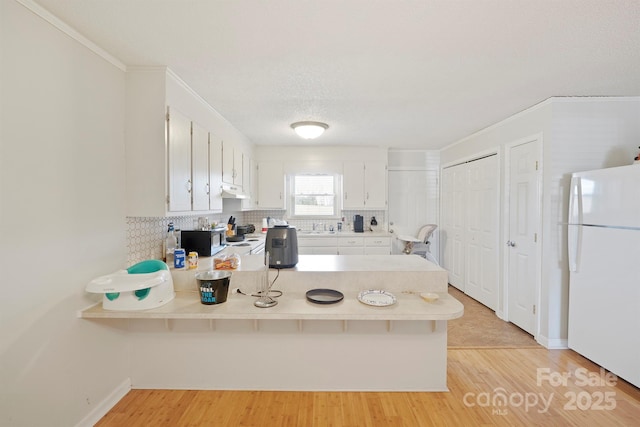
(313, 195)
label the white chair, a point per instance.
(420, 245)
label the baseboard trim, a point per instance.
(553, 344)
(106, 405)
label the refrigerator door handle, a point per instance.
(575, 201)
(574, 232)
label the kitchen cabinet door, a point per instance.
(232, 164)
(377, 245)
(215, 173)
(377, 251)
(364, 185)
(353, 185)
(325, 250)
(200, 167)
(179, 146)
(160, 148)
(249, 180)
(351, 250)
(375, 186)
(271, 190)
(228, 170)
(238, 167)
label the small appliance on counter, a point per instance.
(241, 230)
(282, 245)
(206, 243)
(374, 224)
(358, 223)
(147, 284)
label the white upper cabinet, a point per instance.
(271, 186)
(364, 185)
(375, 185)
(215, 173)
(250, 183)
(179, 146)
(232, 164)
(353, 185)
(200, 167)
(173, 161)
(195, 167)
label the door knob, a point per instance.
(511, 244)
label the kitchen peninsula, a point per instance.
(297, 345)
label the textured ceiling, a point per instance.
(404, 74)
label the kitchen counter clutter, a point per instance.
(405, 276)
(297, 344)
(252, 244)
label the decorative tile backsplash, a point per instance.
(145, 235)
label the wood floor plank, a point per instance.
(475, 378)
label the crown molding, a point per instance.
(38, 10)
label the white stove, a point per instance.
(252, 244)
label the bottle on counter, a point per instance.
(171, 243)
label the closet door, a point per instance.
(454, 190)
(469, 236)
(481, 235)
(446, 220)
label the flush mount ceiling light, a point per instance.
(309, 130)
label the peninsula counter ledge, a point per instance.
(300, 345)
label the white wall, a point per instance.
(62, 216)
(306, 157)
(578, 134)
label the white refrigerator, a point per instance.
(604, 264)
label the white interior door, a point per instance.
(524, 220)
(413, 202)
(456, 237)
(446, 219)
(481, 246)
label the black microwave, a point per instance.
(206, 243)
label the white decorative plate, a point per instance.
(376, 297)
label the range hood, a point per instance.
(233, 192)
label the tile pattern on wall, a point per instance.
(146, 235)
(255, 218)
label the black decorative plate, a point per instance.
(324, 296)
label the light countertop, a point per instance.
(406, 276)
(294, 306)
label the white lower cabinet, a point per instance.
(318, 245)
(351, 245)
(377, 245)
(344, 245)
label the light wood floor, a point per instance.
(481, 328)
(477, 377)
